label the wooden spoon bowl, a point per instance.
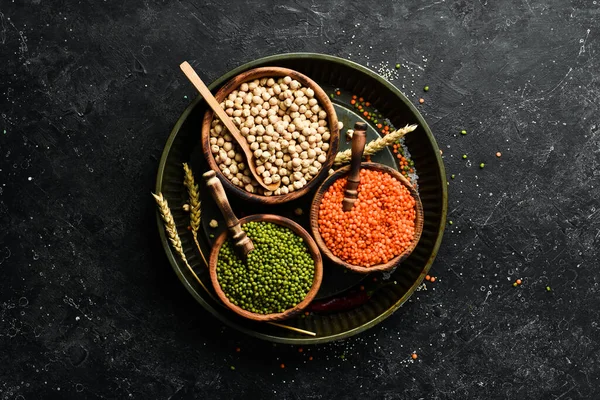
(342, 173)
(312, 248)
(324, 102)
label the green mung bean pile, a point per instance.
(277, 276)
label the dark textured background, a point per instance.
(90, 308)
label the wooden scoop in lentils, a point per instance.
(277, 276)
(286, 129)
(380, 226)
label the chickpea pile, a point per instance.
(286, 129)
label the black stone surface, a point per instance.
(90, 308)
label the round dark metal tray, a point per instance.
(332, 74)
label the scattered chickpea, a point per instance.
(213, 223)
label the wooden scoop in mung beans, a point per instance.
(241, 241)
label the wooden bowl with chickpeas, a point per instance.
(290, 125)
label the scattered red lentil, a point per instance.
(300, 350)
(282, 366)
(421, 100)
(380, 226)
(433, 279)
(498, 154)
(427, 277)
(238, 349)
(368, 104)
(353, 102)
(354, 97)
(414, 356)
(338, 92)
(310, 358)
(361, 99)
(519, 281)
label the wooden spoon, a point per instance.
(242, 242)
(359, 138)
(216, 107)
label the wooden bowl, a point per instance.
(312, 248)
(324, 102)
(314, 218)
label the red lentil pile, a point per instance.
(380, 226)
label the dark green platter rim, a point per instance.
(190, 284)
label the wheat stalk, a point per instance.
(195, 203)
(171, 228)
(343, 157)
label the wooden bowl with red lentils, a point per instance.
(381, 230)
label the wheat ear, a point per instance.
(195, 203)
(343, 157)
(171, 228)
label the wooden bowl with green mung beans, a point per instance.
(297, 171)
(311, 248)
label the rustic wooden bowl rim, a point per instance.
(312, 248)
(314, 219)
(324, 102)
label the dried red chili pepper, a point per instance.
(343, 303)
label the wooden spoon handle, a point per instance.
(226, 120)
(359, 138)
(240, 240)
(212, 102)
